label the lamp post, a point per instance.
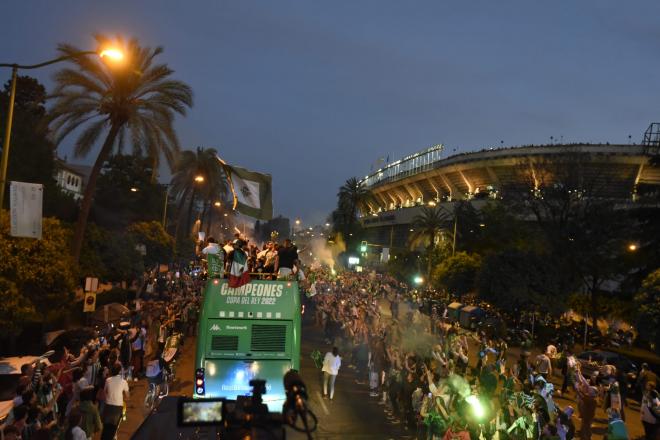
(109, 53)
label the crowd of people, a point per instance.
(443, 383)
(77, 395)
(431, 377)
(270, 261)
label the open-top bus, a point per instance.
(248, 332)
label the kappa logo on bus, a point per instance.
(215, 327)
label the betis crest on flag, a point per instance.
(238, 272)
(253, 193)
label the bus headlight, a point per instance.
(199, 382)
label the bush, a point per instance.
(40, 270)
(457, 274)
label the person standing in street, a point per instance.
(586, 395)
(331, 364)
(649, 411)
(116, 390)
(645, 376)
(137, 349)
(544, 366)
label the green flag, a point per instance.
(252, 191)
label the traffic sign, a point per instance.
(89, 304)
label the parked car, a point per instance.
(591, 361)
(74, 339)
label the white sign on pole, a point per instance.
(91, 284)
(26, 204)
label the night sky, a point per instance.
(316, 92)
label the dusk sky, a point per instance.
(315, 92)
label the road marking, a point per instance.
(325, 408)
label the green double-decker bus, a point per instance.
(245, 333)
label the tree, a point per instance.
(583, 235)
(352, 199)
(403, 265)
(16, 309)
(457, 274)
(135, 100)
(110, 255)
(429, 229)
(41, 270)
(186, 187)
(125, 193)
(32, 153)
(647, 306)
(514, 279)
(159, 244)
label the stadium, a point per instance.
(400, 189)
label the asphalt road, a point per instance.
(351, 414)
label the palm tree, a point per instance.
(188, 190)
(353, 197)
(427, 227)
(135, 99)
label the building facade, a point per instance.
(71, 178)
(402, 188)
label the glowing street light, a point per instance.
(112, 53)
(418, 280)
(297, 221)
(217, 204)
(199, 178)
(632, 247)
(134, 189)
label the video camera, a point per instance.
(247, 416)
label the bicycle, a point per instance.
(157, 391)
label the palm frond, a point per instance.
(88, 137)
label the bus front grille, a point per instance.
(224, 343)
(268, 338)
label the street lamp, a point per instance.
(111, 53)
(199, 178)
(217, 204)
(632, 247)
(134, 189)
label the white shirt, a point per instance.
(211, 248)
(543, 364)
(331, 363)
(115, 386)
